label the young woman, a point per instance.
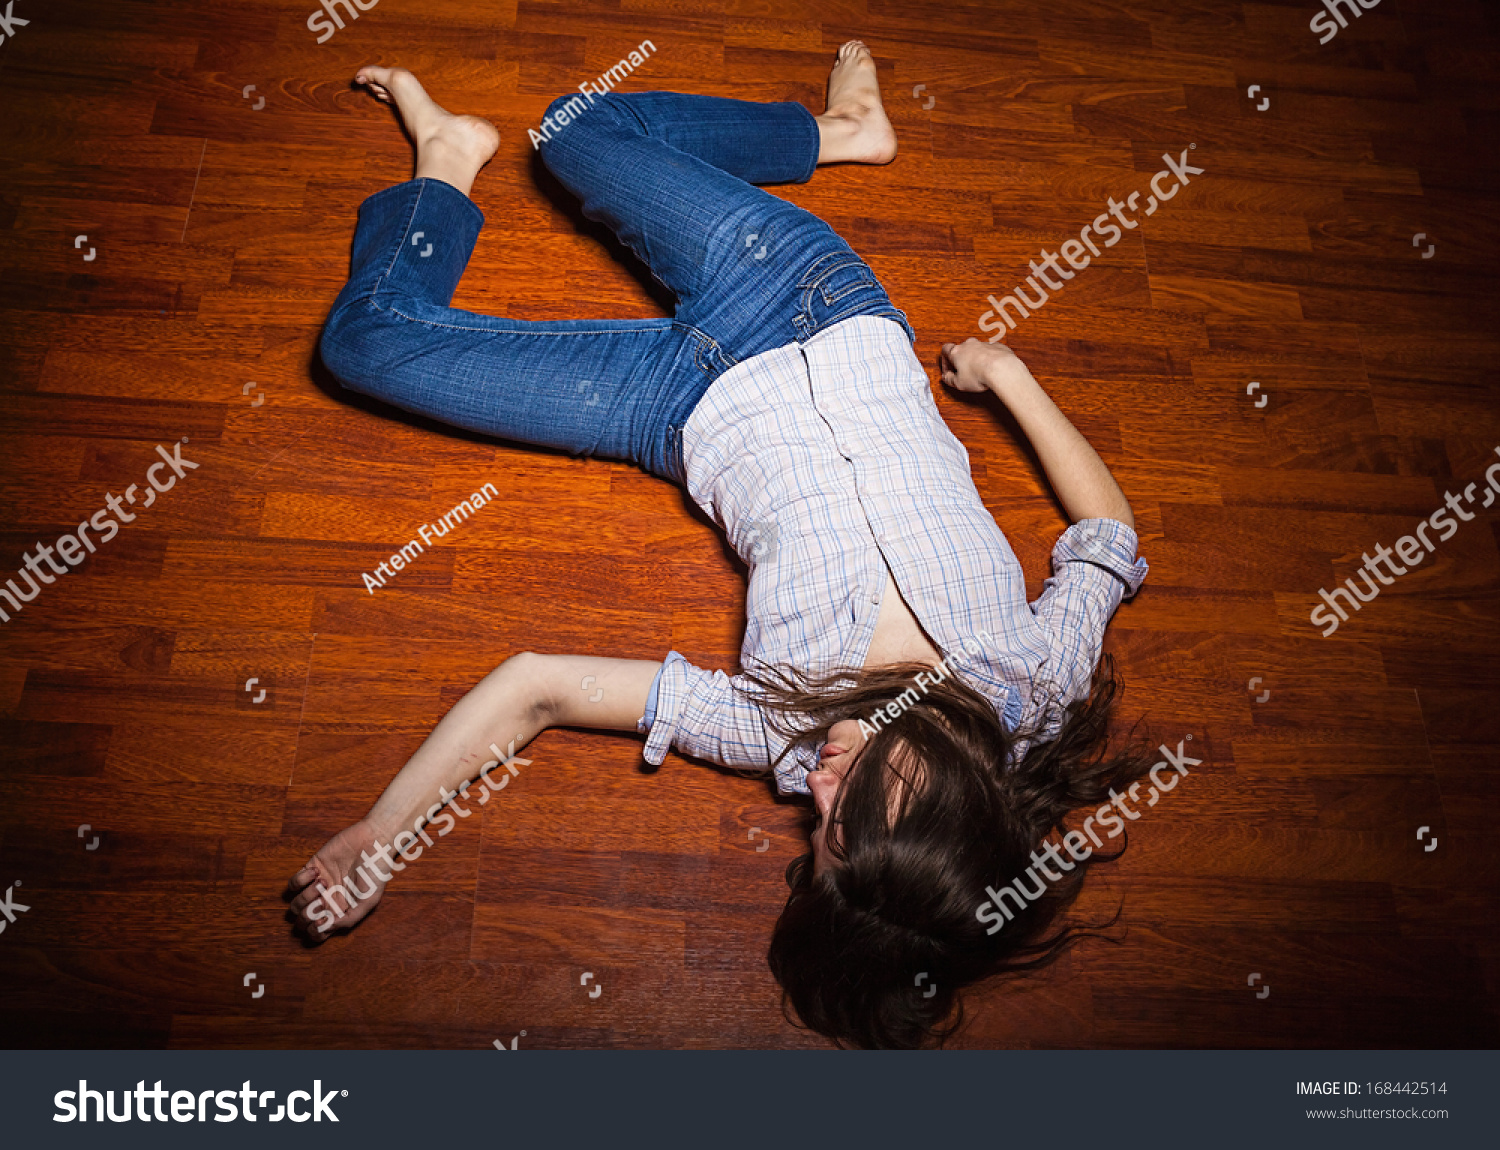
(894, 669)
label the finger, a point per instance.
(304, 900)
(307, 875)
(312, 933)
(318, 929)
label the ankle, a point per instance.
(837, 132)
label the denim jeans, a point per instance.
(674, 177)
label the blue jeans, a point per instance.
(674, 177)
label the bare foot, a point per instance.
(854, 127)
(449, 148)
(343, 882)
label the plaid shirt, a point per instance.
(825, 462)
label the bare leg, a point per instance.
(449, 148)
(854, 128)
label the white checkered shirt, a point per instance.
(824, 462)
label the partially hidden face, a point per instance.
(837, 758)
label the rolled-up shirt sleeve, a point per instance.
(1094, 568)
(708, 715)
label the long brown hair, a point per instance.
(940, 804)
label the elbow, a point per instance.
(525, 673)
(1120, 510)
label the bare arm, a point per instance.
(506, 710)
(479, 739)
(1083, 483)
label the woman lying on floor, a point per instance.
(894, 669)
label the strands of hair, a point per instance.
(934, 810)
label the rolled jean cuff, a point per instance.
(815, 141)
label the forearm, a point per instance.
(488, 726)
(1080, 478)
(506, 710)
(480, 738)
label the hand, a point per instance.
(339, 858)
(976, 366)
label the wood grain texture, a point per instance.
(221, 235)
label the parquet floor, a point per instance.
(220, 229)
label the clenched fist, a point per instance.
(976, 366)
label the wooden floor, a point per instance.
(220, 231)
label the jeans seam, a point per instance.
(815, 139)
(857, 309)
(401, 243)
(826, 264)
(497, 331)
(812, 283)
(706, 345)
(829, 299)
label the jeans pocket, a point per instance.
(835, 288)
(837, 277)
